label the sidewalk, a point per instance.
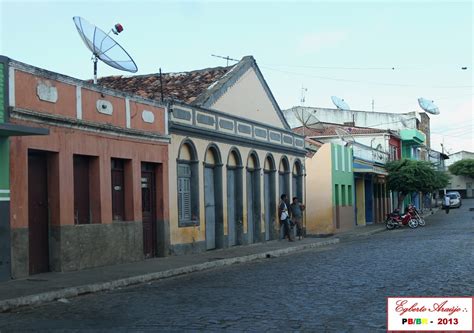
(46, 287)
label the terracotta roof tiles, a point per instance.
(185, 86)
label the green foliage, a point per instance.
(407, 176)
(463, 168)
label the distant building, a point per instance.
(461, 184)
(346, 183)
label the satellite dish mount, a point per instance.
(104, 47)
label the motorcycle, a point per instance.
(415, 215)
(396, 220)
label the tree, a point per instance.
(408, 176)
(463, 168)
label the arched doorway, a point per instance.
(284, 177)
(253, 199)
(297, 178)
(213, 198)
(269, 197)
(234, 198)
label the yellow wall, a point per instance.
(247, 98)
(360, 199)
(184, 235)
(319, 206)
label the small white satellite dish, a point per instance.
(428, 105)
(344, 135)
(340, 103)
(104, 47)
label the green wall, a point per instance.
(2, 93)
(342, 175)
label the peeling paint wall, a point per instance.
(197, 234)
(319, 198)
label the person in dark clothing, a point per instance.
(296, 210)
(284, 217)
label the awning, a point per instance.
(9, 129)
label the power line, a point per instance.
(360, 81)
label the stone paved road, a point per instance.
(338, 288)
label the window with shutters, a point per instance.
(184, 192)
(188, 186)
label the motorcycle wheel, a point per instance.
(389, 224)
(421, 222)
(413, 223)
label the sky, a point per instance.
(380, 54)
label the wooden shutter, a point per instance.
(184, 192)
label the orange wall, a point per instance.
(66, 105)
(26, 97)
(63, 143)
(319, 206)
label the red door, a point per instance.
(118, 194)
(38, 213)
(81, 190)
(149, 209)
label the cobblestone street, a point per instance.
(340, 287)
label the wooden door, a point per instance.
(81, 190)
(210, 206)
(38, 229)
(118, 194)
(149, 209)
(231, 206)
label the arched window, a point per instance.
(284, 177)
(298, 180)
(188, 185)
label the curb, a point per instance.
(45, 297)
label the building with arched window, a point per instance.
(232, 155)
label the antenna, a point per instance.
(303, 94)
(226, 58)
(344, 135)
(428, 105)
(340, 103)
(373, 104)
(104, 47)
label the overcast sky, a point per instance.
(338, 48)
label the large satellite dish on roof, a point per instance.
(340, 103)
(307, 118)
(344, 135)
(104, 47)
(428, 105)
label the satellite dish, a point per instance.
(428, 105)
(340, 103)
(103, 46)
(344, 135)
(307, 119)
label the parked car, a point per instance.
(454, 200)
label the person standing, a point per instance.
(284, 217)
(447, 203)
(296, 210)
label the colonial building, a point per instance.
(7, 130)
(93, 190)
(232, 154)
(346, 181)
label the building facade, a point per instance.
(330, 195)
(232, 155)
(461, 184)
(92, 192)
